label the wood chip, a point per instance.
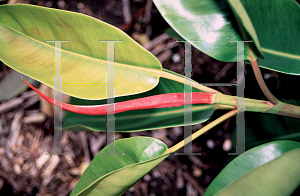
(4, 130)
(148, 10)
(34, 118)
(164, 56)
(33, 172)
(69, 160)
(179, 179)
(29, 94)
(5, 165)
(197, 172)
(30, 102)
(97, 143)
(19, 141)
(42, 160)
(126, 11)
(2, 151)
(47, 180)
(15, 131)
(158, 49)
(51, 165)
(75, 171)
(11, 104)
(26, 166)
(83, 167)
(85, 147)
(190, 191)
(197, 161)
(155, 41)
(17, 169)
(187, 176)
(73, 184)
(144, 188)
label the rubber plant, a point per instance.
(150, 97)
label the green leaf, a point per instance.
(211, 23)
(169, 31)
(25, 28)
(139, 120)
(12, 85)
(247, 32)
(273, 169)
(114, 174)
(276, 24)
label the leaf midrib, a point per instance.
(287, 55)
(122, 168)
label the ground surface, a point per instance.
(26, 170)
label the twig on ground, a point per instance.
(155, 41)
(85, 147)
(4, 107)
(148, 11)
(187, 176)
(126, 11)
(164, 56)
(223, 71)
(15, 130)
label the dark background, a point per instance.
(177, 175)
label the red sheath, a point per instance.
(156, 101)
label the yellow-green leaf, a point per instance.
(114, 174)
(24, 30)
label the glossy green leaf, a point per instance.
(277, 26)
(114, 174)
(172, 33)
(211, 23)
(245, 23)
(138, 120)
(270, 169)
(24, 30)
(12, 85)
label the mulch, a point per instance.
(26, 133)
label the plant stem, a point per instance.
(185, 81)
(225, 107)
(285, 109)
(253, 105)
(201, 131)
(262, 83)
(256, 70)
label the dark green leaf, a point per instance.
(277, 26)
(270, 169)
(211, 23)
(114, 174)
